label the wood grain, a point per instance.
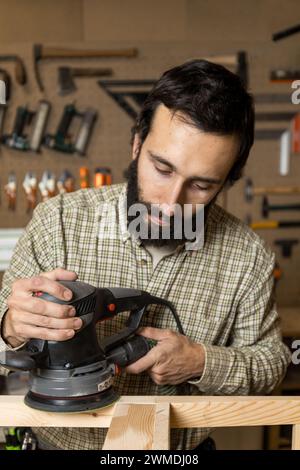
(132, 427)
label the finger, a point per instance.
(157, 334)
(43, 284)
(48, 322)
(32, 332)
(145, 363)
(40, 307)
(60, 274)
(158, 378)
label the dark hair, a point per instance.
(210, 97)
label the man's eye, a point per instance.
(163, 172)
(200, 188)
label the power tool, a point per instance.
(20, 140)
(78, 374)
(62, 141)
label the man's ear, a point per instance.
(136, 146)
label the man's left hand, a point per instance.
(174, 360)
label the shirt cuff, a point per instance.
(216, 369)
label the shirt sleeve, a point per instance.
(255, 360)
(31, 256)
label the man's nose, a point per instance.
(174, 196)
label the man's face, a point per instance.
(179, 164)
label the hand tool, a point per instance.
(65, 183)
(84, 177)
(286, 33)
(66, 77)
(102, 177)
(20, 71)
(266, 207)
(47, 185)
(251, 191)
(46, 52)
(30, 188)
(286, 245)
(271, 224)
(10, 190)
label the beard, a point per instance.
(167, 224)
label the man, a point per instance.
(192, 139)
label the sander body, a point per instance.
(78, 374)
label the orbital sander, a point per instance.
(78, 374)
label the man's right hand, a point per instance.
(30, 317)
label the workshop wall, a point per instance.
(165, 33)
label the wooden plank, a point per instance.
(296, 437)
(14, 412)
(161, 437)
(131, 428)
(185, 411)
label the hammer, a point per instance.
(251, 191)
(41, 53)
(266, 207)
(67, 74)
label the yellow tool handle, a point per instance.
(264, 224)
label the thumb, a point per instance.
(157, 334)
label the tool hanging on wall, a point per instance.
(19, 140)
(286, 245)
(128, 94)
(65, 183)
(261, 117)
(61, 140)
(284, 76)
(66, 75)
(5, 84)
(281, 75)
(84, 177)
(20, 71)
(10, 190)
(47, 185)
(251, 191)
(41, 53)
(271, 224)
(266, 207)
(285, 152)
(277, 274)
(41, 117)
(295, 131)
(102, 177)
(30, 188)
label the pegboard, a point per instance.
(110, 143)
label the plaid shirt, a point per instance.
(223, 293)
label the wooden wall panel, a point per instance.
(40, 20)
